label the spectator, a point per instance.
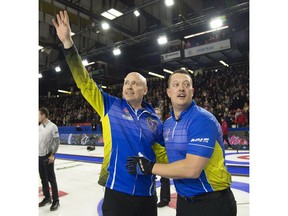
(224, 127)
(241, 120)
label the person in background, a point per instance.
(48, 145)
(165, 182)
(195, 149)
(130, 126)
(224, 127)
(241, 120)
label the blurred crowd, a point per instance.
(223, 92)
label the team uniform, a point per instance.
(198, 132)
(126, 132)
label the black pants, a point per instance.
(224, 205)
(120, 204)
(225, 137)
(47, 174)
(165, 189)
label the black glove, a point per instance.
(139, 165)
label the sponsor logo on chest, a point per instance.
(206, 140)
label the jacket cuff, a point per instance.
(72, 49)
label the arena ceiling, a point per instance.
(137, 37)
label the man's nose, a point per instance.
(181, 87)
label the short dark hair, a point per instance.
(44, 111)
(179, 71)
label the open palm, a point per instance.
(63, 27)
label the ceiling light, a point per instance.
(108, 15)
(111, 14)
(167, 71)
(72, 34)
(190, 71)
(162, 40)
(85, 62)
(115, 12)
(104, 87)
(155, 74)
(205, 32)
(105, 26)
(216, 23)
(57, 69)
(63, 91)
(39, 75)
(136, 13)
(116, 51)
(183, 68)
(169, 2)
(40, 47)
(225, 64)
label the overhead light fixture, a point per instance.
(205, 32)
(167, 71)
(108, 15)
(105, 26)
(115, 12)
(46, 50)
(136, 13)
(224, 63)
(103, 87)
(190, 71)
(162, 40)
(57, 69)
(86, 63)
(111, 14)
(40, 47)
(116, 51)
(183, 68)
(216, 23)
(155, 74)
(72, 34)
(63, 91)
(169, 3)
(39, 75)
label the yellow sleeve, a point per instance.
(160, 152)
(88, 87)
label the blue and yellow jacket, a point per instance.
(125, 131)
(197, 132)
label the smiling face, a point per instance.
(134, 89)
(180, 91)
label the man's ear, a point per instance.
(168, 92)
(145, 90)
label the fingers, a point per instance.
(55, 23)
(66, 17)
(131, 165)
(62, 16)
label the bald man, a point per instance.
(130, 127)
